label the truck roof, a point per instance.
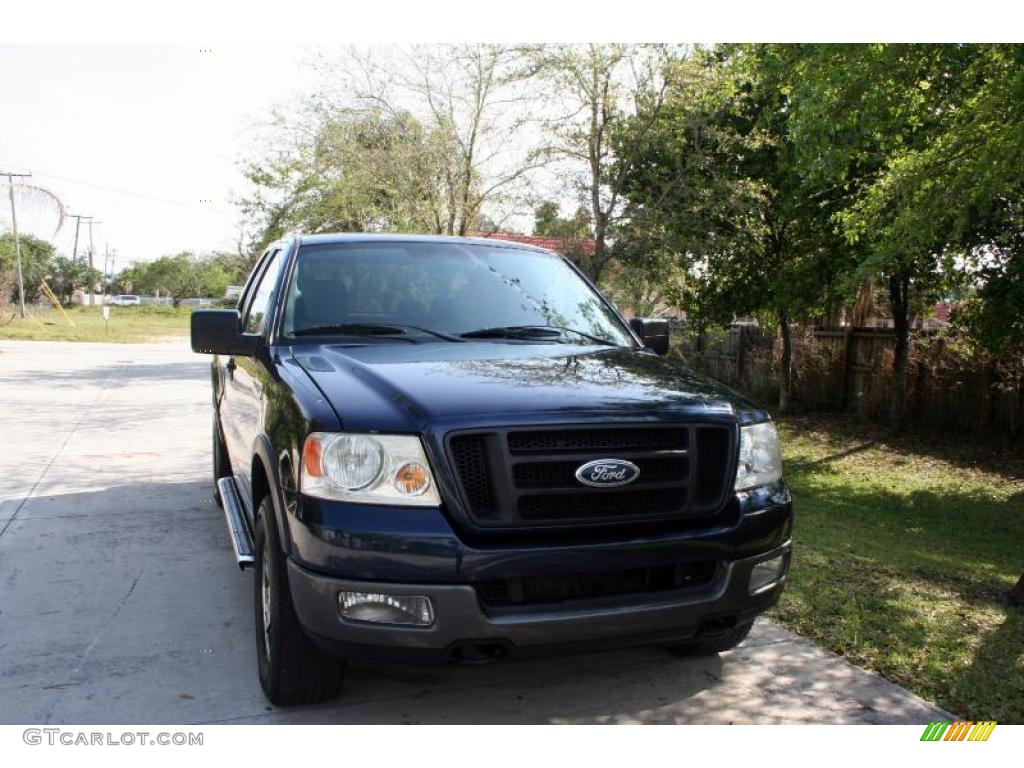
(349, 237)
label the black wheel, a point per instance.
(221, 463)
(293, 670)
(707, 646)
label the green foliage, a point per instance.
(713, 178)
(649, 284)
(926, 143)
(548, 223)
(65, 276)
(180, 276)
(352, 172)
(36, 257)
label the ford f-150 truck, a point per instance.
(457, 449)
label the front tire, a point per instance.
(292, 669)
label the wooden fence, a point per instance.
(851, 370)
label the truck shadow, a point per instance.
(774, 677)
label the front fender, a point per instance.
(293, 407)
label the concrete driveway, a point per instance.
(120, 601)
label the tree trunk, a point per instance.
(1016, 595)
(899, 289)
(786, 364)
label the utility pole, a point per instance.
(78, 222)
(103, 282)
(109, 263)
(17, 243)
(90, 222)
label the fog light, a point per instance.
(386, 609)
(765, 573)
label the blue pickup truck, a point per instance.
(451, 449)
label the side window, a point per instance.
(243, 299)
(260, 304)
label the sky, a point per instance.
(140, 137)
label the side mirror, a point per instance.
(653, 332)
(219, 332)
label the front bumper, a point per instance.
(464, 628)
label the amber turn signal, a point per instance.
(311, 455)
(412, 478)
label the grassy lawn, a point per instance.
(904, 548)
(126, 324)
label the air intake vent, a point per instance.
(470, 455)
(714, 463)
(560, 588)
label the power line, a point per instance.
(140, 195)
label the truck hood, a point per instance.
(401, 387)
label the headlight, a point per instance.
(760, 460)
(371, 469)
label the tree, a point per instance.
(475, 101)
(35, 196)
(548, 223)
(347, 171)
(712, 177)
(596, 87)
(545, 217)
(65, 276)
(416, 139)
(926, 144)
(650, 285)
(36, 257)
(183, 275)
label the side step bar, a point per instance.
(238, 526)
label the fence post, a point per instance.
(845, 380)
(739, 356)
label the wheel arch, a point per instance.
(266, 481)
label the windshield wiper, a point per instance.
(370, 329)
(530, 332)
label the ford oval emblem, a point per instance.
(607, 473)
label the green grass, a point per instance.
(127, 324)
(904, 550)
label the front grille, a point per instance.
(527, 477)
(560, 588)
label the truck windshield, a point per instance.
(449, 291)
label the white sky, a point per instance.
(165, 123)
